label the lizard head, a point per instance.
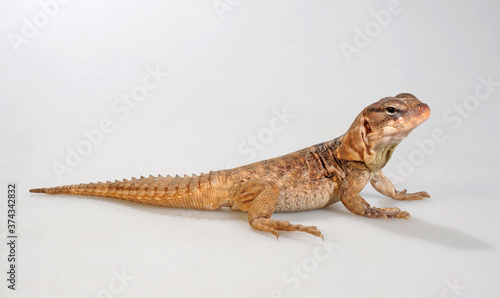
(391, 119)
(380, 127)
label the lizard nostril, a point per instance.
(422, 107)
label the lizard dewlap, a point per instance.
(311, 178)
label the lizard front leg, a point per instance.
(349, 196)
(384, 186)
(259, 198)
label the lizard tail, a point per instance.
(197, 192)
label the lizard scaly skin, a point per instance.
(311, 178)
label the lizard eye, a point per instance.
(390, 110)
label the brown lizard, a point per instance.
(311, 178)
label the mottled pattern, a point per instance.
(300, 176)
(311, 178)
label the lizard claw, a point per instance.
(320, 235)
(314, 231)
(404, 215)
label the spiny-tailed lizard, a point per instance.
(311, 178)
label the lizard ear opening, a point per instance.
(354, 142)
(367, 130)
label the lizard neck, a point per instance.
(374, 153)
(381, 157)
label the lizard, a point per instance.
(311, 178)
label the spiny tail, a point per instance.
(198, 192)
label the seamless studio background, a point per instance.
(94, 91)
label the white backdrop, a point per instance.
(93, 91)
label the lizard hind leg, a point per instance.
(259, 198)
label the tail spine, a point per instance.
(197, 192)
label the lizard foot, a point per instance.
(403, 196)
(387, 213)
(273, 226)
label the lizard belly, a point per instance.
(306, 196)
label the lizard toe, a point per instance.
(404, 215)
